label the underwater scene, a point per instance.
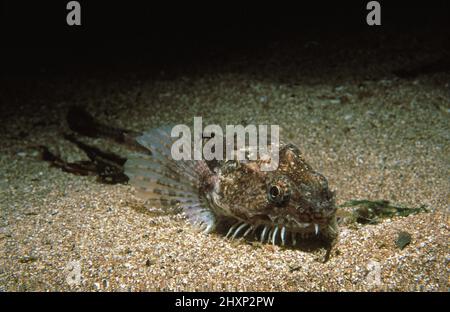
(112, 176)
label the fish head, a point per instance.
(298, 197)
(293, 196)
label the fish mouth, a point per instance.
(280, 230)
(307, 213)
(306, 221)
(311, 226)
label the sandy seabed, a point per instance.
(373, 135)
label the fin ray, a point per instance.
(158, 178)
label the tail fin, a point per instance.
(80, 121)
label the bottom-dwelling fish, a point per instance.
(280, 206)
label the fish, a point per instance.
(279, 207)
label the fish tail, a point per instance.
(81, 122)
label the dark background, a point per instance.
(35, 32)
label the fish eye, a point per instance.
(277, 194)
(274, 191)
